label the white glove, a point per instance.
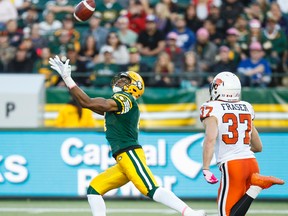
(63, 69)
(210, 177)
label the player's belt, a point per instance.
(126, 149)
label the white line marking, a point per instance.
(118, 210)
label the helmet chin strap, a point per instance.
(116, 89)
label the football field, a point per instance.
(121, 208)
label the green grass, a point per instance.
(121, 208)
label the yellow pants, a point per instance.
(130, 166)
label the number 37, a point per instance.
(233, 125)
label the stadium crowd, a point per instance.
(170, 43)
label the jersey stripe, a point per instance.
(144, 169)
(137, 170)
(142, 173)
(224, 190)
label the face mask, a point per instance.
(116, 89)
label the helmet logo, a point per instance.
(217, 83)
(139, 85)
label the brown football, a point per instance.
(84, 10)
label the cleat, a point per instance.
(265, 181)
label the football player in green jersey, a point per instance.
(121, 126)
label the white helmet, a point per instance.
(225, 86)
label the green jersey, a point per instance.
(122, 126)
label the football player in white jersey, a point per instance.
(230, 133)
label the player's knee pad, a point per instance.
(91, 190)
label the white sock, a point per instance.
(169, 199)
(253, 191)
(97, 205)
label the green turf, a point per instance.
(121, 208)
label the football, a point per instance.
(84, 10)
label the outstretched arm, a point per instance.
(98, 105)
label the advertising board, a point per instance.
(62, 163)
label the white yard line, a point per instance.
(117, 210)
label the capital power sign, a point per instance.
(61, 164)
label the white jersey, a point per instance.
(234, 128)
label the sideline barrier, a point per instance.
(50, 163)
(176, 108)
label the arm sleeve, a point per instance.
(124, 103)
(206, 110)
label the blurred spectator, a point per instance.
(232, 35)
(215, 16)
(110, 10)
(137, 15)
(164, 68)
(28, 18)
(191, 77)
(230, 10)
(255, 70)
(49, 25)
(186, 38)
(104, 71)
(279, 16)
(151, 41)
(255, 34)
(68, 25)
(254, 11)
(15, 34)
(20, 63)
(192, 21)
(126, 36)
(223, 62)
(60, 44)
(31, 53)
(205, 50)
(38, 40)
(22, 5)
(176, 53)
(42, 66)
(173, 7)
(77, 67)
(72, 115)
(120, 52)
(202, 8)
(60, 8)
(270, 29)
(275, 45)
(241, 25)
(163, 21)
(89, 52)
(264, 5)
(137, 66)
(7, 12)
(99, 33)
(7, 52)
(215, 36)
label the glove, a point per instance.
(63, 69)
(210, 177)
